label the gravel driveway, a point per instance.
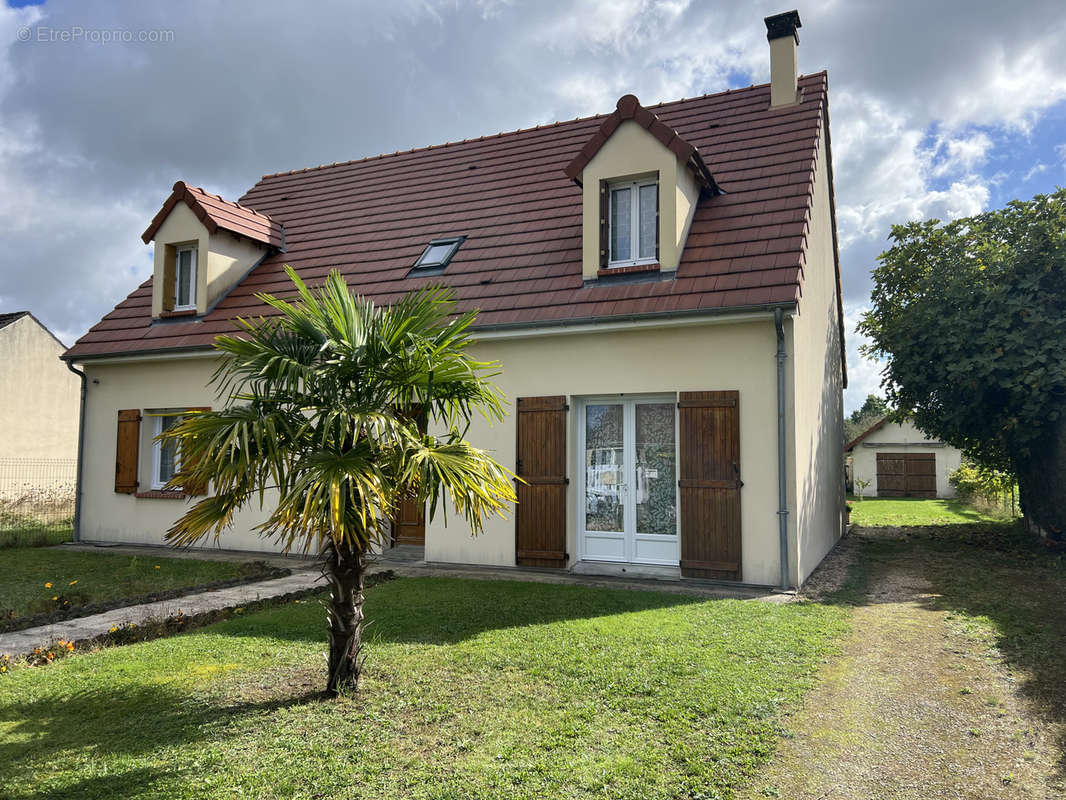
(921, 702)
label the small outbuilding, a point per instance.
(900, 461)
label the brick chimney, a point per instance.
(781, 31)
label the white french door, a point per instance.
(628, 502)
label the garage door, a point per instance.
(906, 474)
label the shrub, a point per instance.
(973, 482)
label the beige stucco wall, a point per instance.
(38, 395)
(903, 438)
(640, 361)
(665, 360)
(816, 396)
(631, 152)
(229, 258)
(222, 258)
(111, 517)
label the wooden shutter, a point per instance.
(129, 438)
(169, 273)
(191, 488)
(710, 485)
(605, 224)
(540, 518)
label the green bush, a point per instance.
(973, 482)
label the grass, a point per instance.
(27, 530)
(98, 577)
(873, 512)
(473, 690)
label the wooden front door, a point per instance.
(906, 474)
(709, 427)
(540, 517)
(409, 527)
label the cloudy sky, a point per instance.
(938, 108)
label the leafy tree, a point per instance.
(328, 404)
(872, 410)
(969, 316)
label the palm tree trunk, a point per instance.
(344, 570)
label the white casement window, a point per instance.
(185, 279)
(164, 454)
(634, 222)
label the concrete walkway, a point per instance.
(306, 575)
(18, 643)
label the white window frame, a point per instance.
(634, 221)
(157, 447)
(191, 305)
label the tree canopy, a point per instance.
(969, 318)
(337, 411)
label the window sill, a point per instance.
(161, 494)
(184, 312)
(604, 272)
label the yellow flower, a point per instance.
(55, 597)
(157, 566)
(70, 646)
(48, 585)
(113, 629)
(72, 582)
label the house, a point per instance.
(900, 461)
(661, 285)
(38, 394)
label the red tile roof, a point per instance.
(215, 213)
(510, 196)
(630, 108)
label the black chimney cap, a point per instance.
(781, 25)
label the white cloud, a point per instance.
(90, 144)
(962, 154)
(864, 375)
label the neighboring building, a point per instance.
(38, 394)
(901, 461)
(636, 274)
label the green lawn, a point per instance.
(473, 690)
(100, 576)
(905, 511)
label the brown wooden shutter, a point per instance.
(605, 224)
(710, 485)
(129, 439)
(169, 281)
(191, 488)
(540, 518)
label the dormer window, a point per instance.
(185, 279)
(438, 253)
(634, 222)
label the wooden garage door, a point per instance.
(709, 424)
(540, 518)
(906, 474)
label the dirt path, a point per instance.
(918, 705)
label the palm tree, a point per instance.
(326, 422)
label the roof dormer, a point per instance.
(640, 183)
(203, 246)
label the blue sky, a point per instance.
(938, 109)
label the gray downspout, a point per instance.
(81, 454)
(782, 447)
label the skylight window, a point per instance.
(439, 252)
